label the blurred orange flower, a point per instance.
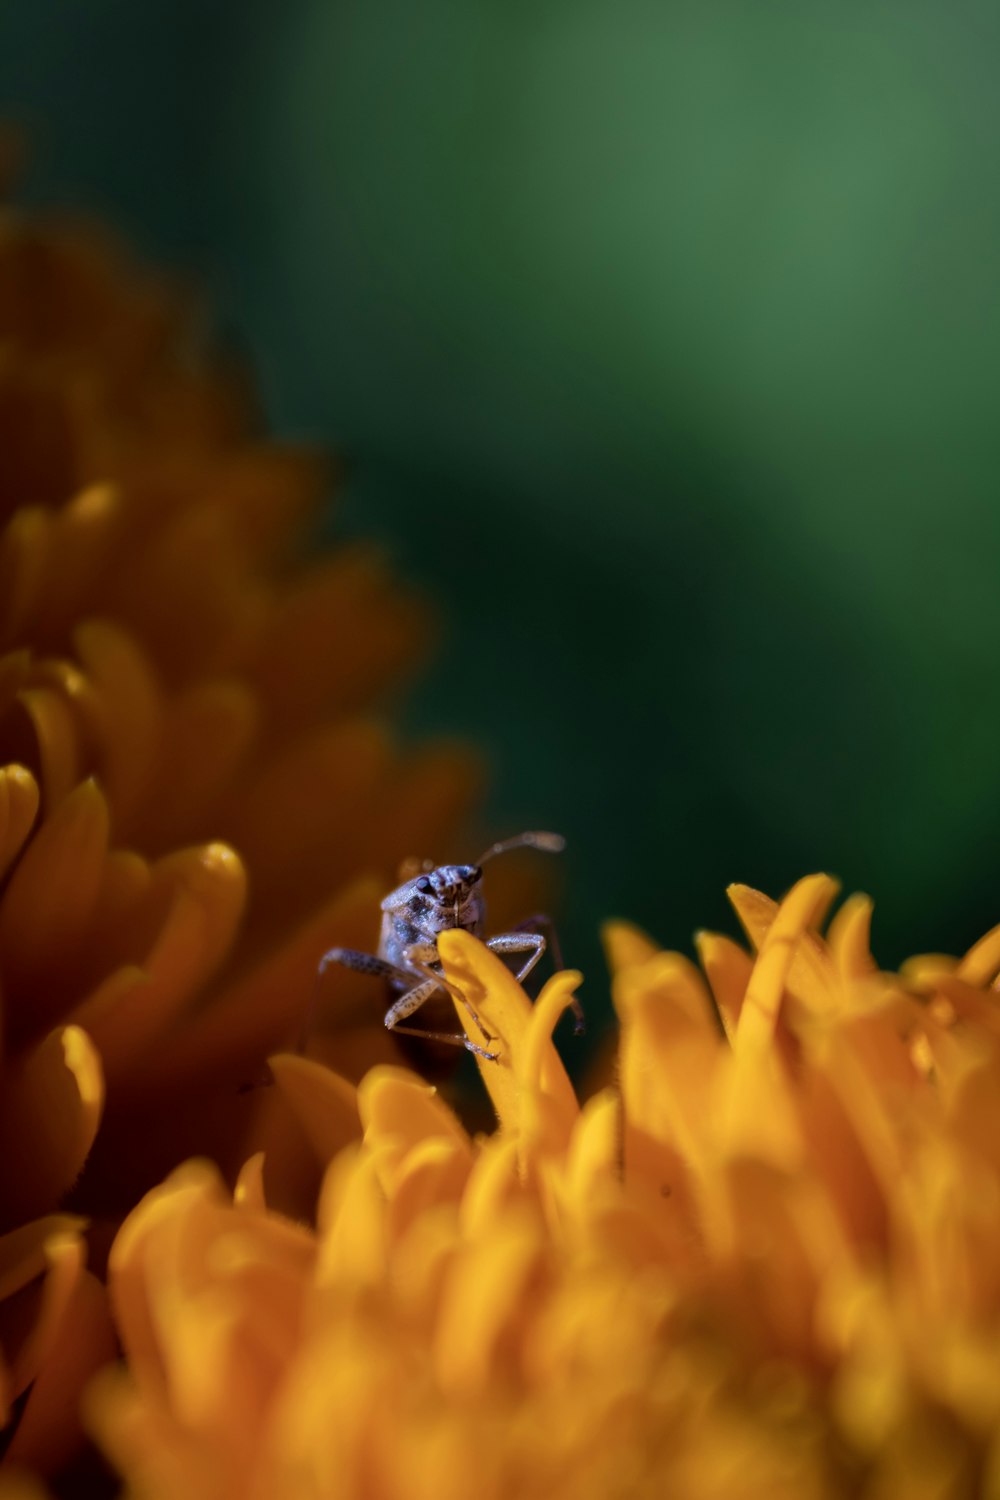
(763, 1264)
(195, 797)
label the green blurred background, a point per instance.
(661, 341)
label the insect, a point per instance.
(439, 898)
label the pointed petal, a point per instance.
(49, 1433)
(781, 945)
(506, 1012)
(64, 1257)
(82, 536)
(728, 968)
(326, 608)
(208, 893)
(25, 543)
(548, 1101)
(353, 1238)
(208, 731)
(22, 1251)
(307, 809)
(271, 1005)
(494, 1182)
(625, 944)
(484, 1298)
(980, 964)
(431, 1176)
(19, 800)
(190, 1188)
(669, 1054)
(128, 709)
(57, 735)
(596, 1155)
(753, 1111)
(53, 890)
(849, 939)
(325, 1105)
(249, 1190)
(400, 1110)
(51, 1106)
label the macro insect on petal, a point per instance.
(440, 898)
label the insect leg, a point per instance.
(348, 958)
(531, 943)
(412, 1001)
(542, 922)
(362, 963)
(419, 958)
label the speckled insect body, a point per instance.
(449, 896)
(413, 916)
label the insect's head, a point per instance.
(449, 885)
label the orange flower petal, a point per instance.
(64, 1256)
(249, 1190)
(506, 1012)
(432, 1174)
(400, 1110)
(781, 943)
(52, 1103)
(273, 1003)
(110, 1011)
(494, 1181)
(81, 538)
(117, 927)
(306, 810)
(191, 1187)
(549, 1107)
(53, 891)
(271, 489)
(324, 608)
(57, 736)
(208, 892)
(669, 1055)
(980, 964)
(189, 597)
(128, 709)
(753, 1103)
(24, 548)
(49, 1433)
(625, 944)
(849, 939)
(325, 1105)
(484, 1296)
(352, 1219)
(207, 732)
(596, 1154)
(18, 809)
(728, 968)
(22, 1250)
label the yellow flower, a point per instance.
(196, 794)
(763, 1264)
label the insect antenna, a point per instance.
(551, 843)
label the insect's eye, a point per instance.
(475, 874)
(424, 886)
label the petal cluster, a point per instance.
(762, 1263)
(197, 796)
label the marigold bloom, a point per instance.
(764, 1264)
(195, 800)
